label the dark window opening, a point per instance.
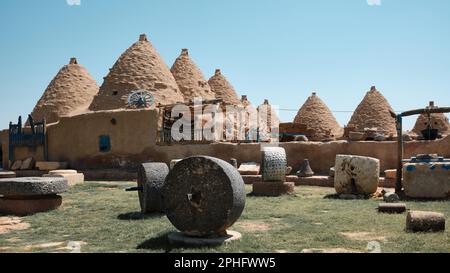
(113, 121)
(115, 93)
(105, 144)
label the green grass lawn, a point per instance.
(105, 218)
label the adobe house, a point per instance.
(374, 111)
(190, 79)
(318, 119)
(437, 121)
(223, 89)
(69, 93)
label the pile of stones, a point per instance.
(29, 195)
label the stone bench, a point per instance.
(72, 176)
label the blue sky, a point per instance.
(280, 50)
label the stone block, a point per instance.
(50, 166)
(28, 164)
(427, 180)
(249, 168)
(273, 189)
(16, 165)
(425, 221)
(73, 178)
(356, 174)
(390, 174)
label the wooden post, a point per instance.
(44, 131)
(398, 187)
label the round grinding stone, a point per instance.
(32, 186)
(273, 164)
(151, 177)
(203, 196)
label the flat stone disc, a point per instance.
(183, 239)
(203, 196)
(32, 186)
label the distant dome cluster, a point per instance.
(73, 91)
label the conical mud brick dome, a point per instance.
(436, 121)
(374, 112)
(69, 93)
(139, 68)
(316, 115)
(223, 89)
(190, 79)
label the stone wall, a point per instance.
(133, 135)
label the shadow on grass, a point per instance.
(137, 215)
(348, 197)
(161, 242)
(402, 197)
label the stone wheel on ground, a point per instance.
(203, 196)
(151, 178)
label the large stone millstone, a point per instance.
(356, 174)
(29, 195)
(203, 196)
(33, 186)
(151, 177)
(273, 164)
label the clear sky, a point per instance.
(280, 50)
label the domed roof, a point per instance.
(223, 89)
(140, 67)
(190, 79)
(316, 115)
(437, 120)
(69, 93)
(374, 111)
